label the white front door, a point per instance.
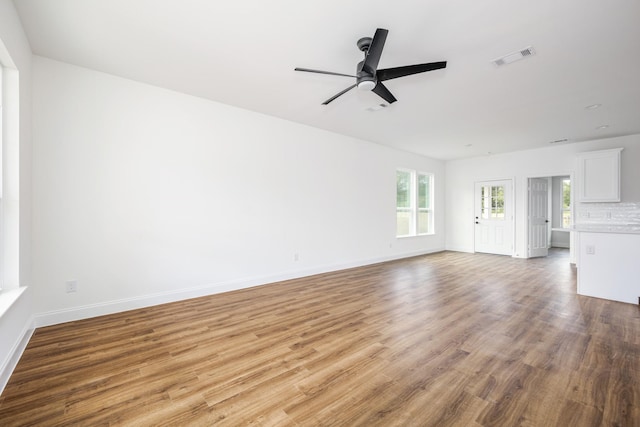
(538, 217)
(494, 217)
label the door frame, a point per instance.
(512, 199)
(571, 176)
(548, 217)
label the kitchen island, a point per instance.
(608, 262)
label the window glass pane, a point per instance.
(497, 202)
(566, 203)
(424, 217)
(566, 194)
(566, 219)
(423, 191)
(485, 201)
(403, 189)
(403, 223)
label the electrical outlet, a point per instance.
(591, 249)
(71, 286)
(296, 257)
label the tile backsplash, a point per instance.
(611, 215)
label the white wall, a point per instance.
(15, 304)
(551, 161)
(144, 195)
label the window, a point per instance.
(1, 207)
(403, 203)
(566, 203)
(414, 203)
(9, 177)
(492, 199)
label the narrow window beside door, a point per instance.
(566, 203)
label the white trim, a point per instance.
(461, 249)
(10, 178)
(8, 297)
(116, 306)
(10, 363)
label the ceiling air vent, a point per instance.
(514, 56)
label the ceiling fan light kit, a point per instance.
(368, 77)
(367, 84)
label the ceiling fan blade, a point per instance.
(394, 73)
(308, 70)
(382, 91)
(375, 51)
(339, 94)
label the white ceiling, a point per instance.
(243, 53)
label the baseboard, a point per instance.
(71, 314)
(117, 306)
(463, 249)
(15, 354)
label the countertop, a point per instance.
(613, 228)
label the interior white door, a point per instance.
(538, 217)
(494, 217)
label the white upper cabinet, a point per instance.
(599, 176)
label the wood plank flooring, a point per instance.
(448, 339)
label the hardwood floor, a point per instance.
(448, 339)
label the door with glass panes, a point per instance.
(494, 217)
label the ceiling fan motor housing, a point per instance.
(364, 43)
(364, 80)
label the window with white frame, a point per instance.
(9, 179)
(414, 203)
(566, 203)
(1, 207)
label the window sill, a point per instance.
(8, 297)
(415, 235)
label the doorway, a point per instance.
(549, 214)
(494, 217)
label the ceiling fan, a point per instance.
(368, 77)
